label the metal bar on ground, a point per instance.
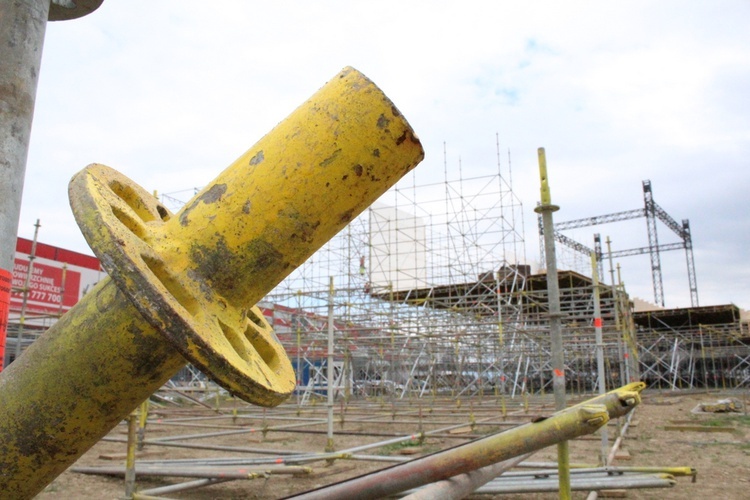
(583, 484)
(463, 485)
(188, 485)
(567, 424)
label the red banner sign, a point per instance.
(51, 289)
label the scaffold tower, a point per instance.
(651, 211)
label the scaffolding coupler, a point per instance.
(182, 287)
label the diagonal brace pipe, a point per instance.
(578, 420)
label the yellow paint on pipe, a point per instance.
(74, 384)
(183, 287)
(546, 197)
(200, 271)
(130, 460)
(546, 202)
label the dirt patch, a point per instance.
(721, 459)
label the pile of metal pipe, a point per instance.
(578, 482)
(463, 485)
(614, 405)
(581, 419)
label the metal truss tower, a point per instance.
(651, 211)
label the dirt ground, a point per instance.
(721, 459)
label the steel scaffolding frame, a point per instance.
(432, 297)
(695, 347)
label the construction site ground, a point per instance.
(717, 446)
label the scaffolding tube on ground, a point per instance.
(277, 459)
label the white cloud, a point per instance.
(171, 92)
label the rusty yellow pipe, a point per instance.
(130, 459)
(581, 419)
(182, 286)
(564, 425)
(142, 421)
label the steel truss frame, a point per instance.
(651, 211)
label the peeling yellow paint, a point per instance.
(183, 286)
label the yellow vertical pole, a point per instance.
(329, 367)
(130, 460)
(142, 420)
(546, 208)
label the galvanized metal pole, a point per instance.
(130, 460)
(182, 286)
(599, 348)
(618, 321)
(22, 28)
(546, 208)
(463, 485)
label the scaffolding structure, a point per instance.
(429, 293)
(697, 347)
(425, 310)
(25, 323)
(46, 282)
(432, 296)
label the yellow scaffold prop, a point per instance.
(183, 286)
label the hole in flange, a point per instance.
(263, 347)
(236, 341)
(163, 212)
(252, 316)
(172, 284)
(135, 225)
(131, 197)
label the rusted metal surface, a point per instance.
(196, 275)
(75, 383)
(463, 485)
(182, 287)
(570, 423)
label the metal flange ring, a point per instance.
(65, 10)
(127, 229)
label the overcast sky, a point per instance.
(170, 92)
